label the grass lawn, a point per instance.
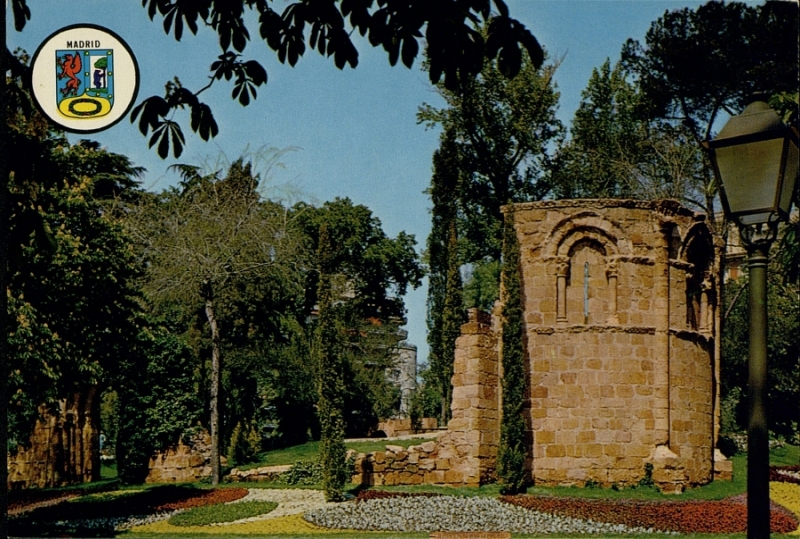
(788, 455)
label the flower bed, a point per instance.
(92, 514)
(204, 497)
(785, 474)
(787, 495)
(723, 516)
(364, 495)
(289, 524)
(456, 514)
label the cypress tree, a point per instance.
(452, 318)
(445, 296)
(330, 379)
(512, 452)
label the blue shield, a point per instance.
(85, 82)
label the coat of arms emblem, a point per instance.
(84, 78)
(85, 82)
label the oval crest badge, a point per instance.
(84, 78)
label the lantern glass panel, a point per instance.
(789, 175)
(750, 174)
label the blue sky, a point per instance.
(354, 132)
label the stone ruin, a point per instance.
(185, 462)
(63, 449)
(622, 363)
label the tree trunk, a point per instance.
(215, 380)
(4, 269)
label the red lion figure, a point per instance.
(70, 65)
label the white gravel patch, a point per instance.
(290, 502)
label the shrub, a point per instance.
(245, 444)
(304, 472)
(212, 514)
(647, 480)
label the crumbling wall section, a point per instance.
(63, 449)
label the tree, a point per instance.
(201, 240)
(502, 129)
(445, 311)
(370, 273)
(783, 351)
(511, 453)
(155, 399)
(330, 376)
(697, 64)
(616, 151)
(454, 44)
(74, 306)
(493, 150)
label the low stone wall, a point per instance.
(264, 473)
(404, 427)
(184, 462)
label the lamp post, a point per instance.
(755, 159)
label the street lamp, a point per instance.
(755, 159)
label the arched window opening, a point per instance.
(587, 294)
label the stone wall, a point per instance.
(466, 453)
(64, 449)
(183, 463)
(619, 304)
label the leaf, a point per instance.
(510, 60)
(255, 72)
(152, 110)
(270, 27)
(410, 50)
(203, 122)
(225, 65)
(22, 14)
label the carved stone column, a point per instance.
(706, 306)
(562, 267)
(611, 275)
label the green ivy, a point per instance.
(512, 451)
(331, 387)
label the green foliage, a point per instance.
(213, 514)
(156, 401)
(377, 270)
(617, 151)
(697, 64)
(501, 131)
(304, 472)
(286, 380)
(452, 318)
(245, 444)
(330, 377)
(512, 451)
(426, 400)
(72, 306)
(783, 349)
(108, 418)
(444, 279)
(482, 288)
(647, 480)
